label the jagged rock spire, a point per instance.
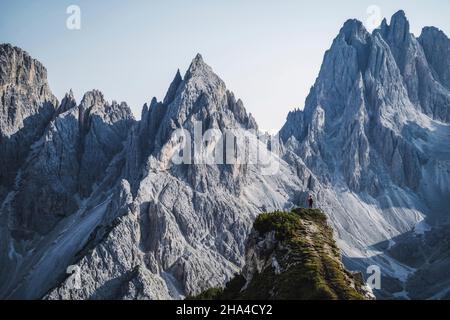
(26, 107)
(92, 98)
(199, 68)
(399, 26)
(68, 102)
(170, 95)
(436, 46)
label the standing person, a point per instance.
(310, 201)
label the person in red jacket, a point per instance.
(310, 201)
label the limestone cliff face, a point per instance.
(26, 107)
(55, 157)
(373, 94)
(66, 163)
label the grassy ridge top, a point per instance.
(307, 262)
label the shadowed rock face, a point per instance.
(436, 45)
(26, 107)
(68, 161)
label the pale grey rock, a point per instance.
(427, 89)
(188, 227)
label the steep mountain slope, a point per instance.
(189, 221)
(71, 157)
(375, 132)
(61, 155)
(105, 195)
(292, 256)
(27, 106)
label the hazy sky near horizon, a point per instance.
(267, 52)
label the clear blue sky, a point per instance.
(268, 52)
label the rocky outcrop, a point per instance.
(436, 47)
(27, 106)
(292, 256)
(427, 89)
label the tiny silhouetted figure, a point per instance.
(310, 201)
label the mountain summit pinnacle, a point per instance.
(170, 95)
(198, 58)
(398, 29)
(198, 67)
(197, 62)
(399, 17)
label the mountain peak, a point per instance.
(197, 62)
(198, 59)
(17, 66)
(92, 98)
(353, 29)
(68, 102)
(352, 24)
(7, 48)
(171, 92)
(399, 26)
(198, 67)
(436, 46)
(433, 32)
(400, 15)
